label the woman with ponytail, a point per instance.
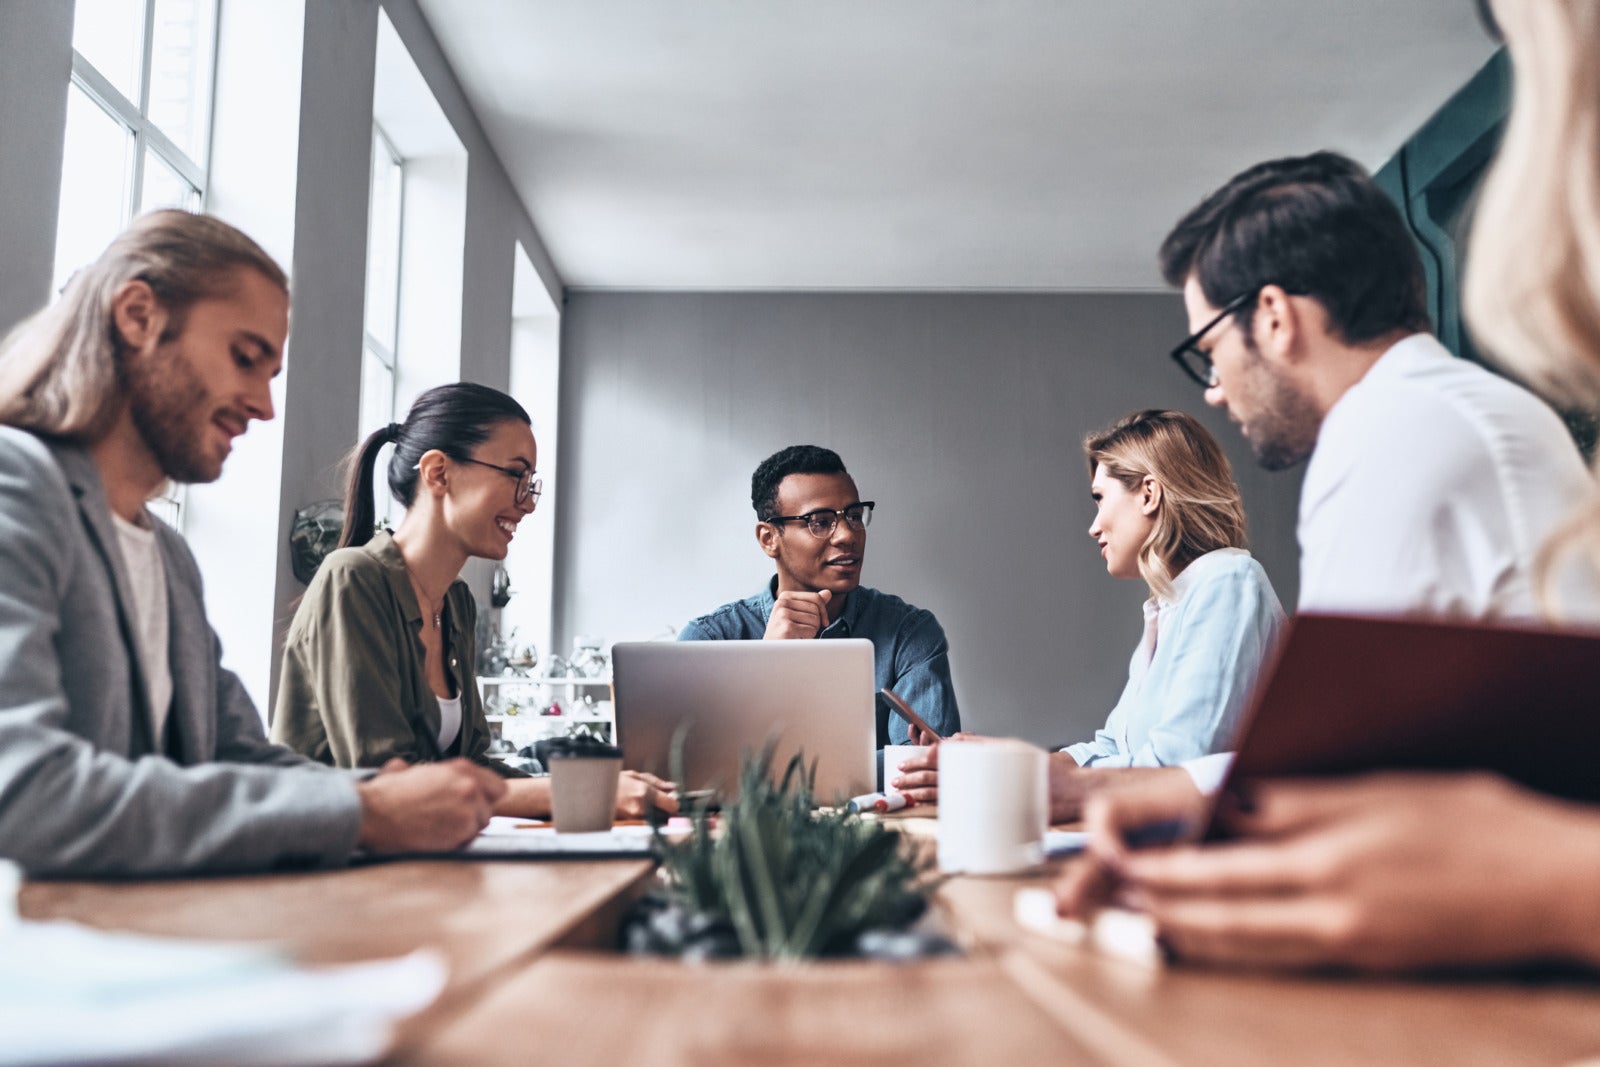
(378, 663)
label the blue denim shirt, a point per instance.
(910, 653)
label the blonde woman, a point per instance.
(1167, 512)
(1398, 872)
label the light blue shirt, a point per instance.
(1185, 695)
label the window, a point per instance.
(138, 118)
(384, 218)
(381, 330)
(138, 127)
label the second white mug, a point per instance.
(994, 806)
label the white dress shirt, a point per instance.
(1432, 488)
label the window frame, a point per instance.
(148, 138)
(133, 115)
(387, 355)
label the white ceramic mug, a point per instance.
(994, 806)
(583, 792)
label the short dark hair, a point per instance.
(1316, 225)
(796, 459)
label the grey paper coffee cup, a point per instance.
(583, 786)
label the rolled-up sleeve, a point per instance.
(922, 677)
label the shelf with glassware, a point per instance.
(526, 700)
(523, 709)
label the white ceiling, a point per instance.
(922, 144)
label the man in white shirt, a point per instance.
(1432, 482)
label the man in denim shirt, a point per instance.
(813, 525)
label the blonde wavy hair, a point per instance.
(60, 369)
(1199, 509)
(1532, 287)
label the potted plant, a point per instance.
(779, 880)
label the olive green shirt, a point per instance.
(354, 689)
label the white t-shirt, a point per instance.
(147, 582)
(449, 721)
(1433, 486)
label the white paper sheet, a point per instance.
(71, 994)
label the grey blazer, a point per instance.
(81, 790)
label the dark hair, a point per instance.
(796, 459)
(1316, 225)
(453, 418)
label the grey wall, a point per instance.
(35, 65)
(962, 415)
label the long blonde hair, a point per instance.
(1200, 509)
(1532, 287)
(60, 371)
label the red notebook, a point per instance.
(1349, 694)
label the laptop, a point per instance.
(815, 697)
(1349, 694)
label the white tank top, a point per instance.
(449, 721)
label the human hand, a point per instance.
(1068, 784)
(1387, 873)
(1118, 803)
(798, 616)
(916, 735)
(638, 793)
(918, 777)
(428, 807)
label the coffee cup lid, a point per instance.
(582, 748)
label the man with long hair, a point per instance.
(125, 747)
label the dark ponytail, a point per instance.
(453, 418)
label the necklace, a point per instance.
(424, 600)
(427, 603)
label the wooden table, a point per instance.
(530, 981)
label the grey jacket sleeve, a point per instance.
(72, 805)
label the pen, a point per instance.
(881, 803)
(1157, 833)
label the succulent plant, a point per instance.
(783, 881)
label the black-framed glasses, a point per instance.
(1197, 364)
(824, 521)
(530, 487)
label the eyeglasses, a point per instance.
(824, 521)
(529, 485)
(1197, 364)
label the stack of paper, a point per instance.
(70, 994)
